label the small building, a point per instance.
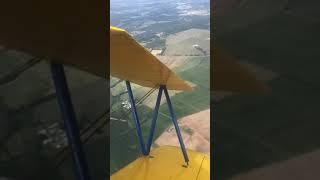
(157, 52)
(126, 104)
(195, 46)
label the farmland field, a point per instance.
(182, 43)
(123, 135)
(181, 31)
(28, 106)
(195, 129)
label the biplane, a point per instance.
(133, 63)
(74, 33)
(139, 66)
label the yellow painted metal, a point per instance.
(71, 32)
(76, 35)
(205, 169)
(131, 61)
(167, 163)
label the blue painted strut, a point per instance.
(154, 119)
(70, 123)
(175, 123)
(136, 119)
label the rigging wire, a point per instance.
(131, 129)
(13, 75)
(139, 101)
(30, 63)
(116, 83)
(105, 122)
(84, 141)
(84, 131)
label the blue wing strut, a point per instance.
(70, 122)
(146, 151)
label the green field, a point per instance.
(182, 43)
(154, 19)
(124, 142)
(28, 104)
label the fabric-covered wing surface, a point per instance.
(166, 164)
(71, 32)
(130, 61)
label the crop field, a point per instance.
(162, 25)
(28, 105)
(195, 130)
(182, 43)
(123, 136)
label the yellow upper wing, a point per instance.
(130, 61)
(71, 32)
(74, 32)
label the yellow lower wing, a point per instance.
(166, 163)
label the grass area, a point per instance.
(124, 145)
(156, 44)
(254, 131)
(27, 105)
(182, 42)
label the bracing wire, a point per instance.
(13, 75)
(83, 132)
